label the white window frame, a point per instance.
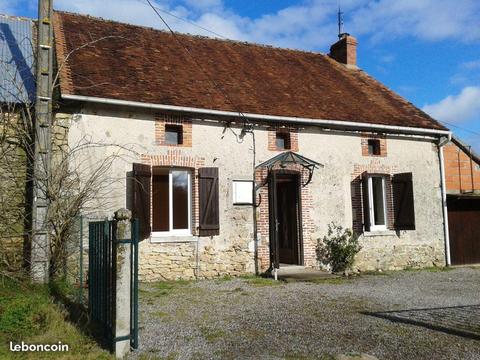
(374, 227)
(175, 232)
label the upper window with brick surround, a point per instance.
(282, 138)
(173, 134)
(374, 146)
(173, 131)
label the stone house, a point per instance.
(236, 157)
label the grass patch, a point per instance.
(439, 269)
(331, 281)
(27, 313)
(300, 356)
(224, 279)
(212, 335)
(258, 281)
(375, 273)
(433, 269)
(160, 314)
(163, 288)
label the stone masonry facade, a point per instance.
(333, 195)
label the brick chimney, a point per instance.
(345, 50)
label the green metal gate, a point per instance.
(102, 280)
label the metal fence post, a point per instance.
(134, 293)
(80, 277)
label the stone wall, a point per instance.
(398, 256)
(173, 261)
(13, 177)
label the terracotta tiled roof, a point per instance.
(141, 64)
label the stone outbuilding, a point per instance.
(236, 157)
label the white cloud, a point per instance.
(204, 4)
(471, 65)
(423, 19)
(310, 24)
(460, 108)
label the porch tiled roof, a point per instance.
(145, 65)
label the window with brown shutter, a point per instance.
(171, 200)
(375, 211)
(366, 202)
(142, 175)
(403, 202)
(209, 223)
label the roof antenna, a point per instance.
(340, 23)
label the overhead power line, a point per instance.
(157, 11)
(217, 87)
(183, 19)
(460, 128)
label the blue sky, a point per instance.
(426, 50)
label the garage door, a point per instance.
(464, 226)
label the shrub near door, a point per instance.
(337, 250)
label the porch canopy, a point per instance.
(290, 158)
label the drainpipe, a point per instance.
(442, 142)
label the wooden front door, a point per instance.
(464, 230)
(285, 237)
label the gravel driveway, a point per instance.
(255, 318)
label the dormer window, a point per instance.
(282, 140)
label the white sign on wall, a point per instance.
(242, 192)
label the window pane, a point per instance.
(280, 142)
(171, 137)
(378, 203)
(160, 203)
(180, 199)
(373, 147)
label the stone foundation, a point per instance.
(175, 261)
(401, 256)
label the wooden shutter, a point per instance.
(142, 177)
(366, 202)
(403, 202)
(208, 201)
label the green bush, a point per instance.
(338, 248)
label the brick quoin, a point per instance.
(461, 173)
(175, 158)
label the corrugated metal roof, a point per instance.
(17, 79)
